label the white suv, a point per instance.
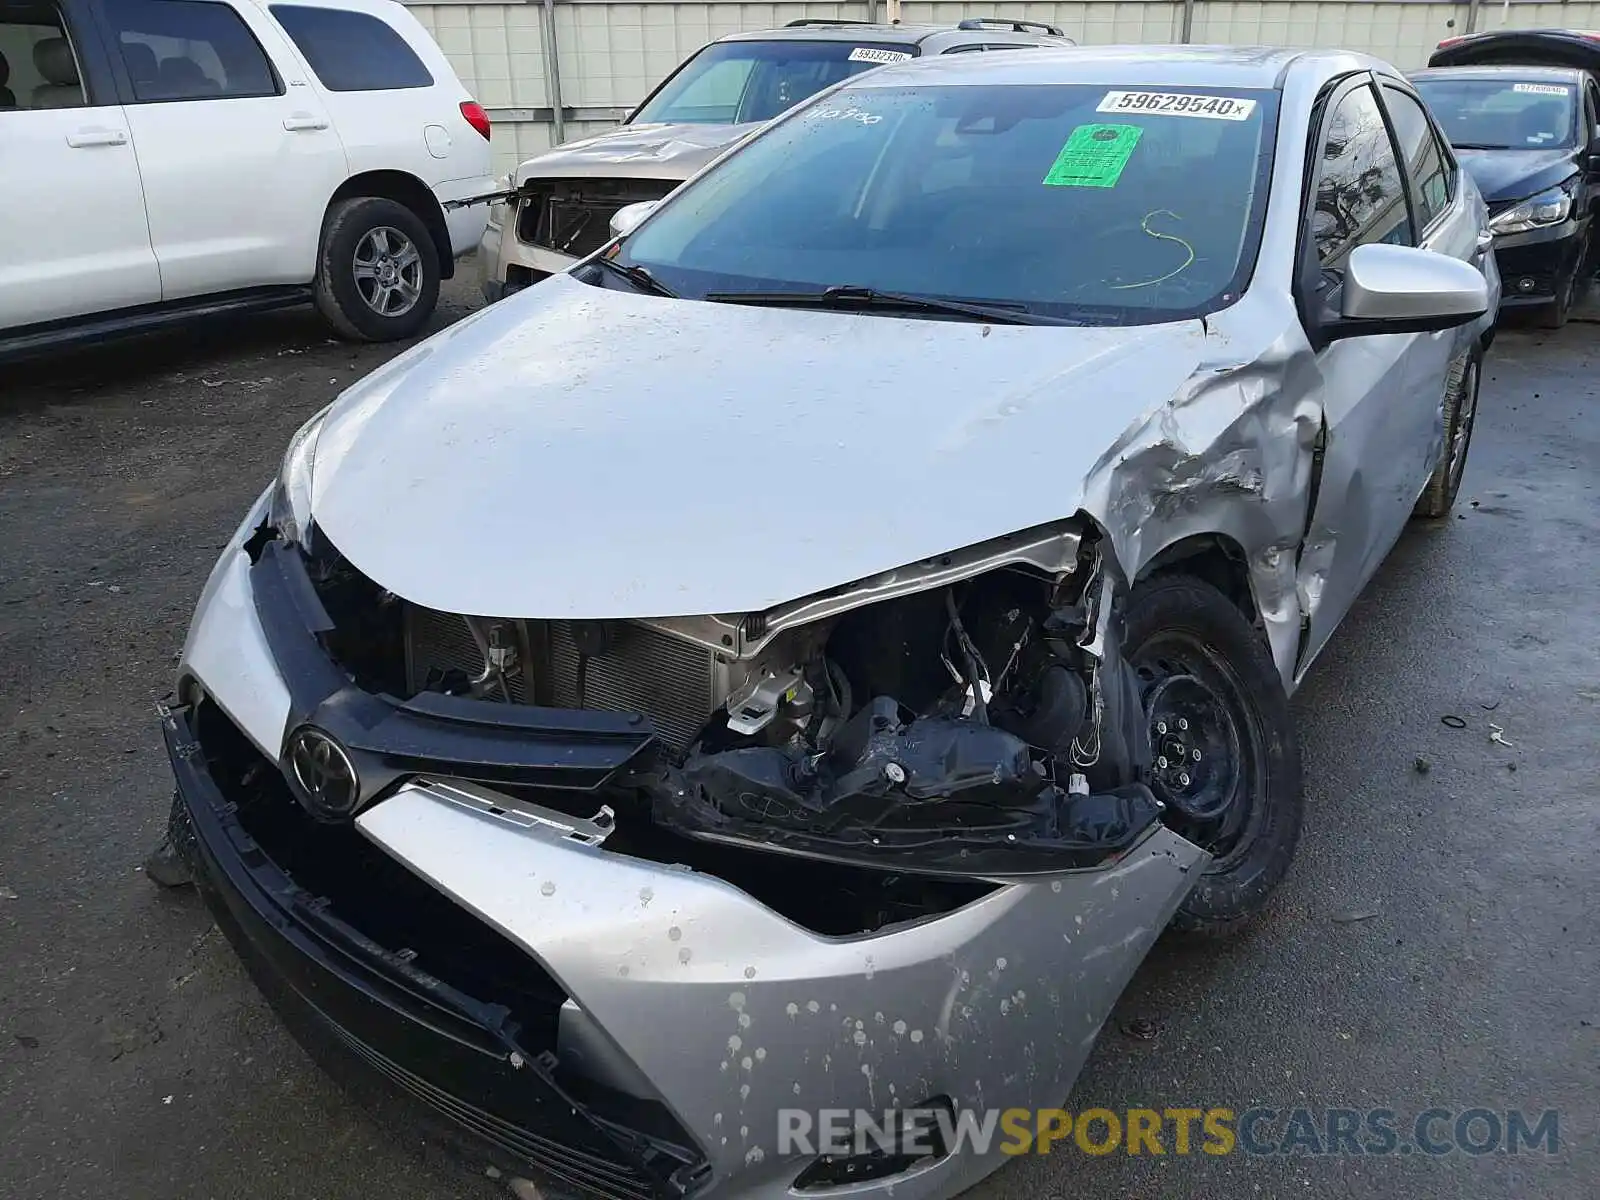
(171, 158)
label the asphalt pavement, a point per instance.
(1436, 945)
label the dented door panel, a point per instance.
(1369, 476)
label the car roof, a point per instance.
(1518, 71)
(905, 35)
(1583, 35)
(1260, 67)
(1558, 47)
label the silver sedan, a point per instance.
(734, 716)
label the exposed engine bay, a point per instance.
(964, 715)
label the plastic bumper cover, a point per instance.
(397, 1037)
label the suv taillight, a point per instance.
(476, 117)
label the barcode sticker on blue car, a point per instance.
(874, 54)
(1177, 104)
(1541, 89)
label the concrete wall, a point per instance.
(609, 55)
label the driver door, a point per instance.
(1377, 423)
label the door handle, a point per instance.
(304, 121)
(82, 139)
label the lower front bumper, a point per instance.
(1533, 269)
(673, 997)
(407, 1044)
(510, 264)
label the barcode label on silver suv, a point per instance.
(874, 55)
(1177, 104)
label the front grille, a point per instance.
(573, 216)
(671, 681)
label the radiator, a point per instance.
(671, 681)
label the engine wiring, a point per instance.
(969, 653)
(1164, 237)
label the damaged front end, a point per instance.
(983, 723)
(966, 715)
(888, 845)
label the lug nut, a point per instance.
(1183, 779)
(894, 772)
(1161, 726)
(1196, 756)
(1162, 762)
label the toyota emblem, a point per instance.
(324, 773)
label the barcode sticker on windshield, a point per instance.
(1177, 104)
(1541, 89)
(873, 54)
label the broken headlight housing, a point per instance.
(1536, 212)
(290, 510)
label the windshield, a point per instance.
(730, 83)
(1111, 205)
(1503, 114)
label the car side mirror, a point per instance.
(1404, 289)
(1594, 153)
(626, 219)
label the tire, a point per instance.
(1241, 798)
(377, 270)
(1556, 314)
(1461, 412)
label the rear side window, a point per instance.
(1419, 147)
(189, 50)
(38, 64)
(1360, 196)
(351, 51)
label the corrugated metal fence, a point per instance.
(553, 70)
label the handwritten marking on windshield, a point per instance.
(1160, 237)
(845, 114)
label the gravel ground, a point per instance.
(1436, 943)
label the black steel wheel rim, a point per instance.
(1208, 755)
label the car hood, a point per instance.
(577, 452)
(1503, 175)
(647, 151)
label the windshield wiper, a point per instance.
(1478, 146)
(848, 297)
(636, 275)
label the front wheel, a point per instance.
(1558, 312)
(377, 271)
(1461, 412)
(1225, 761)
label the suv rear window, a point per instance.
(351, 51)
(189, 50)
(732, 83)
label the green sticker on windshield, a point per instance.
(1094, 156)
